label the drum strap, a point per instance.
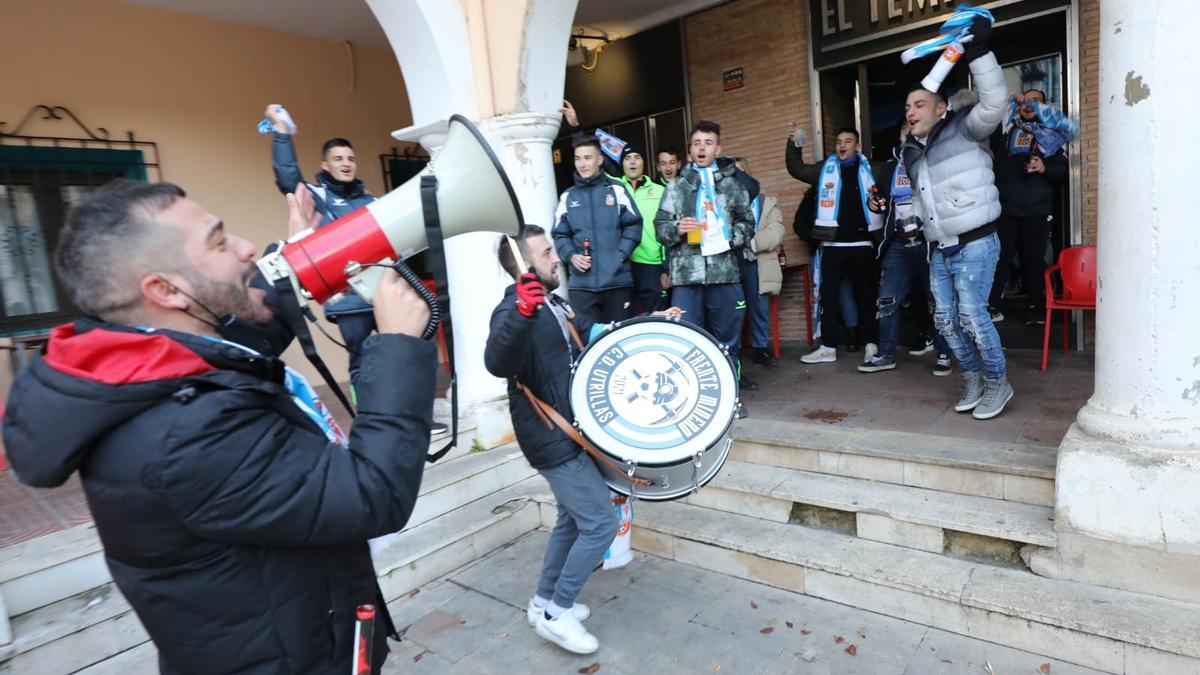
(547, 414)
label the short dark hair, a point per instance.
(848, 130)
(110, 241)
(916, 86)
(335, 143)
(707, 127)
(507, 261)
(584, 140)
(1043, 93)
(672, 151)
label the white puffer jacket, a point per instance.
(954, 189)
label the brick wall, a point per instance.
(768, 40)
(1089, 123)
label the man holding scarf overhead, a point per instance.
(846, 228)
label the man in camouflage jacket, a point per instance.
(708, 288)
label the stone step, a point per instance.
(1009, 471)
(1109, 630)
(895, 514)
(97, 629)
(47, 569)
(431, 549)
(449, 484)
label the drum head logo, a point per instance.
(656, 395)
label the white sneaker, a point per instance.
(821, 354)
(566, 632)
(580, 610)
(870, 351)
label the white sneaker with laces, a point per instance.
(566, 632)
(821, 354)
(580, 610)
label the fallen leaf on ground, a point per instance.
(590, 669)
(839, 639)
(753, 605)
(503, 636)
(789, 624)
(1045, 668)
(717, 669)
(418, 657)
(851, 650)
(413, 592)
(862, 633)
(766, 630)
(805, 631)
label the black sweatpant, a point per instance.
(603, 306)
(647, 284)
(1025, 236)
(858, 263)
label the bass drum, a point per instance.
(659, 398)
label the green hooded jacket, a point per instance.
(647, 197)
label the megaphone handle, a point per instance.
(435, 314)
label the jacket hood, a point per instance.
(90, 379)
(591, 181)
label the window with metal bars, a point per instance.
(41, 176)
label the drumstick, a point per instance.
(516, 253)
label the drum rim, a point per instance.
(737, 397)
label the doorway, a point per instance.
(869, 95)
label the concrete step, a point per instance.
(1109, 630)
(425, 552)
(47, 569)
(1009, 471)
(470, 511)
(451, 483)
(74, 633)
(895, 514)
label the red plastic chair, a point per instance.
(1077, 266)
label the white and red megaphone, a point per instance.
(473, 195)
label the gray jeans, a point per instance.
(586, 525)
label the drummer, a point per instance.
(535, 336)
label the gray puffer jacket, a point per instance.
(954, 189)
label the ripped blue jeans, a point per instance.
(961, 284)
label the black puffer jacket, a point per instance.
(235, 529)
(536, 352)
(1023, 193)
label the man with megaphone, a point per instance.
(233, 510)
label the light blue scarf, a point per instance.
(829, 193)
(707, 194)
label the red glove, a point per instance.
(531, 294)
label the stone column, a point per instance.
(1128, 482)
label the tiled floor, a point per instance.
(906, 399)
(910, 398)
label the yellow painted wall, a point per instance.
(197, 87)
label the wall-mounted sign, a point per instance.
(733, 79)
(844, 31)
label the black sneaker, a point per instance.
(747, 385)
(1037, 316)
(741, 412)
(438, 429)
(996, 314)
(877, 363)
(764, 357)
(922, 346)
(943, 367)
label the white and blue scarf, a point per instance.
(709, 210)
(829, 194)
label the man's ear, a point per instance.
(325, 166)
(162, 292)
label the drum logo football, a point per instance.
(654, 391)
